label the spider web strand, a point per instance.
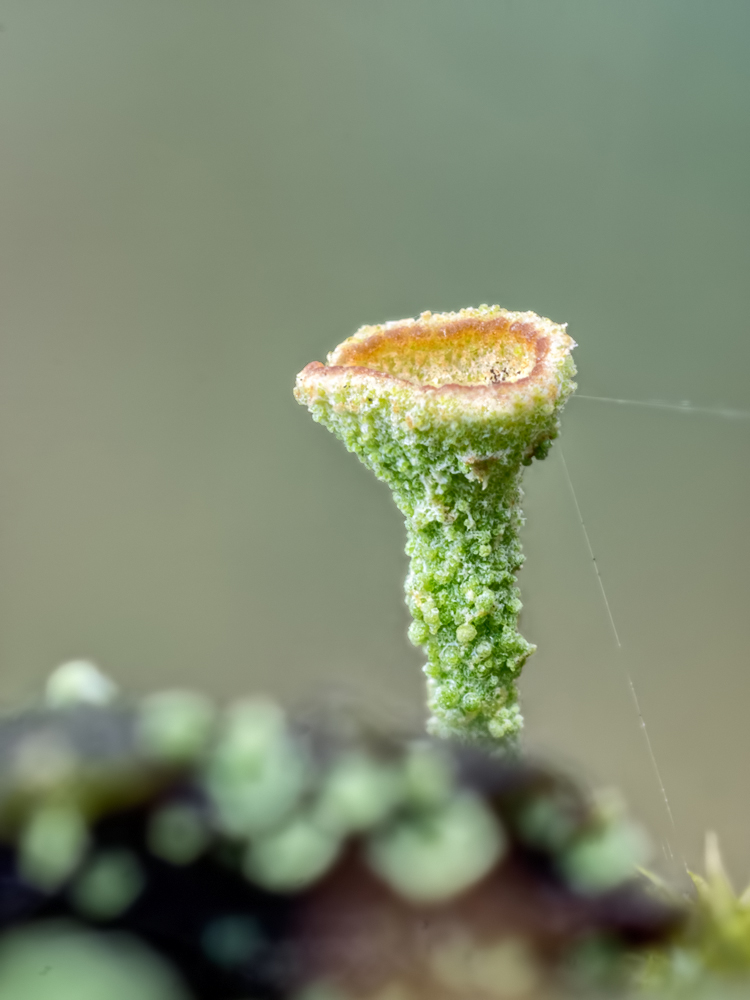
(631, 686)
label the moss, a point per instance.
(711, 956)
(447, 409)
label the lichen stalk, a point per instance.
(447, 409)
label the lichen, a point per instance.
(447, 409)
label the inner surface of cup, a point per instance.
(475, 353)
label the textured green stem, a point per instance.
(447, 409)
(462, 594)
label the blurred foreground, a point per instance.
(165, 849)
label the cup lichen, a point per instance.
(447, 409)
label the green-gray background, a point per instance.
(198, 197)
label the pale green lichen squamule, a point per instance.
(446, 409)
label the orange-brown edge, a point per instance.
(417, 329)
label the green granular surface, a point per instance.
(454, 464)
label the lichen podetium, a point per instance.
(446, 409)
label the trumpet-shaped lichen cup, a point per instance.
(447, 409)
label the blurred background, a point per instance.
(196, 199)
